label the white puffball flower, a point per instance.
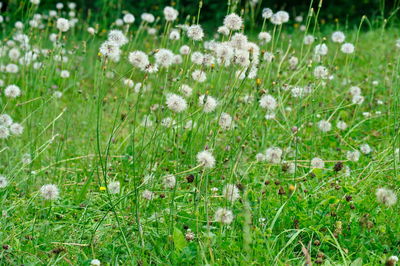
(365, 148)
(324, 125)
(267, 13)
(273, 155)
(139, 59)
(386, 196)
(35, 2)
(317, 163)
(347, 48)
(268, 102)
(176, 103)
(12, 91)
(169, 181)
(117, 37)
(114, 187)
(16, 129)
(338, 37)
(208, 103)
(199, 75)
(63, 24)
(49, 192)
(64, 74)
(321, 49)
(233, 22)
(164, 57)
(149, 18)
(4, 132)
(3, 181)
(265, 37)
(225, 121)
(223, 215)
(321, 72)
(206, 159)
(353, 156)
(231, 192)
(195, 32)
(184, 49)
(186, 90)
(95, 262)
(341, 125)
(147, 194)
(308, 39)
(128, 18)
(170, 13)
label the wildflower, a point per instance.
(223, 215)
(64, 74)
(265, 37)
(147, 194)
(267, 13)
(176, 103)
(117, 38)
(233, 22)
(3, 181)
(170, 13)
(353, 156)
(324, 125)
(357, 99)
(174, 35)
(208, 103)
(164, 57)
(12, 91)
(199, 75)
(321, 72)
(347, 48)
(184, 49)
(5, 120)
(110, 50)
(195, 32)
(273, 155)
(338, 37)
(365, 148)
(223, 30)
(225, 121)
(128, 18)
(231, 192)
(321, 49)
(268, 102)
(63, 24)
(4, 132)
(317, 163)
(189, 236)
(149, 18)
(341, 125)
(138, 59)
(169, 181)
(95, 262)
(308, 39)
(16, 129)
(186, 90)
(49, 192)
(386, 196)
(206, 159)
(114, 187)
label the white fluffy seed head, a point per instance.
(324, 125)
(170, 13)
(223, 215)
(139, 59)
(386, 196)
(231, 192)
(176, 103)
(268, 102)
(208, 103)
(338, 37)
(317, 163)
(12, 91)
(63, 24)
(233, 22)
(206, 159)
(195, 32)
(49, 192)
(114, 187)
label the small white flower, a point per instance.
(169, 181)
(223, 215)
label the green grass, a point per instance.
(93, 135)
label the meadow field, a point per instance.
(270, 139)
